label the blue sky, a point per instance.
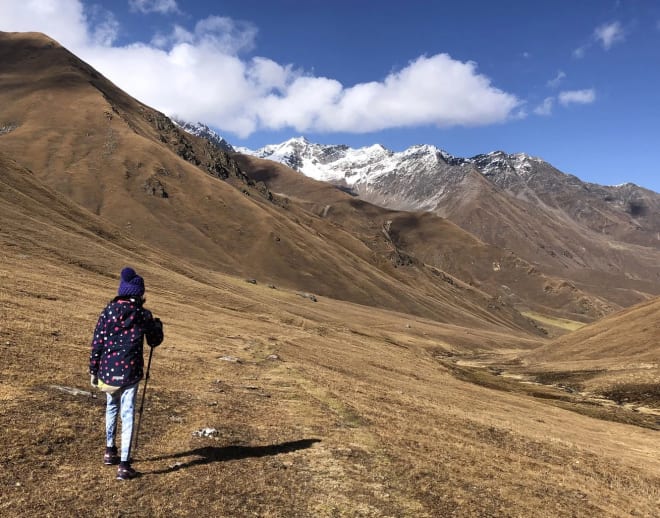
(575, 83)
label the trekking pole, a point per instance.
(144, 393)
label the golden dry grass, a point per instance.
(356, 417)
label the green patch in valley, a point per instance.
(561, 323)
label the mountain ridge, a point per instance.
(604, 236)
(283, 150)
(131, 165)
(518, 202)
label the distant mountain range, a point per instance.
(513, 201)
(371, 169)
(425, 178)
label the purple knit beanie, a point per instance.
(131, 283)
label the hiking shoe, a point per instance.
(125, 472)
(111, 458)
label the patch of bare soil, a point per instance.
(571, 381)
(566, 389)
(644, 394)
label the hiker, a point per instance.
(116, 364)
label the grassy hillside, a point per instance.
(319, 409)
(617, 358)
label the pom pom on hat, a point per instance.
(131, 283)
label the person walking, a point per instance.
(116, 364)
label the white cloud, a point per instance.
(434, 90)
(554, 82)
(580, 52)
(199, 74)
(224, 35)
(586, 96)
(565, 98)
(608, 34)
(154, 6)
(61, 20)
(105, 26)
(545, 108)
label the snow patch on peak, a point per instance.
(502, 165)
(201, 130)
(525, 157)
(245, 150)
(521, 163)
(420, 149)
(369, 152)
(299, 140)
(377, 147)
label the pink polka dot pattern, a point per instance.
(119, 334)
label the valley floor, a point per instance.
(319, 409)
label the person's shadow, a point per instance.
(209, 454)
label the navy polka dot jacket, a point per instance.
(116, 356)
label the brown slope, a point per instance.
(434, 241)
(356, 399)
(625, 213)
(87, 139)
(557, 239)
(40, 225)
(617, 358)
(356, 415)
(629, 336)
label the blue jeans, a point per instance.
(124, 398)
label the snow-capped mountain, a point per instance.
(341, 163)
(516, 202)
(376, 173)
(426, 178)
(202, 130)
(355, 166)
(414, 179)
(419, 177)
